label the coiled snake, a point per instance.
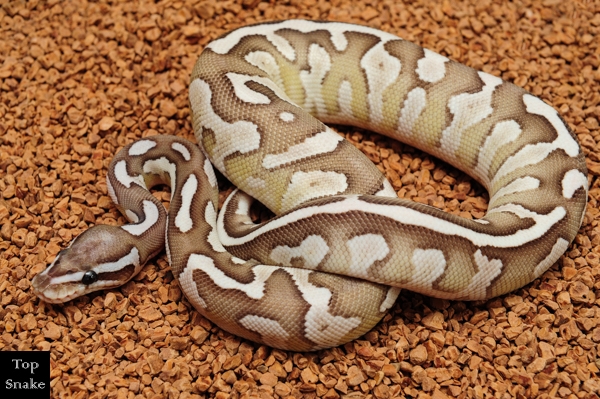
(328, 267)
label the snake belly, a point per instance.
(330, 264)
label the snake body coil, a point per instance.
(328, 267)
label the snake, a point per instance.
(332, 261)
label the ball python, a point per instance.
(331, 263)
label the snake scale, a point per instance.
(331, 263)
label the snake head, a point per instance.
(100, 258)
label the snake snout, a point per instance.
(43, 288)
(40, 282)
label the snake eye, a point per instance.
(89, 277)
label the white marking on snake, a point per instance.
(387, 190)
(239, 136)
(187, 282)
(468, 109)
(210, 173)
(312, 250)
(320, 143)
(287, 116)
(364, 251)
(282, 45)
(270, 330)
(412, 217)
(210, 216)
(308, 185)
(431, 68)
(111, 190)
(267, 63)
(150, 218)
(124, 178)
(132, 216)
(517, 186)
(243, 203)
(571, 181)
(158, 167)
(243, 209)
(246, 94)
(255, 289)
(521, 212)
(564, 140)
(390, 299)
(415, 103)
(429, 265)
(558, 249)
(225, 44)
(237, 261)
(180, 148)
(132, 258)
(321, 326)
(337, 31)
(382, 70)
(532, 154)
(345, 99)
(183, 219)
(319, 62)
(488, 271)
(503, 133)
(141, 147)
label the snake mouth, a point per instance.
(50, 291)
(46, 291)
(53, 300)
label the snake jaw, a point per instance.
(54, 293)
